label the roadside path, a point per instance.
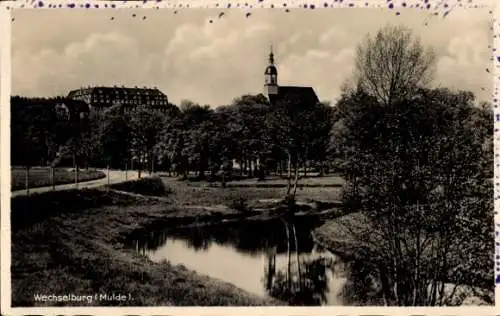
(115, 176)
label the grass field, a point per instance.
(200, 193)
(41, 177)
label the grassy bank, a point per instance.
(80, 248)
(41, 177)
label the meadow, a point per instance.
(42, 176)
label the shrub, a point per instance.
(151, 186)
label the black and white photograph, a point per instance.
(267, 157)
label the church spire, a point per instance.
(271, 55)
(271, 78)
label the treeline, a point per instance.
(260, 138)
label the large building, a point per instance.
(104, 97)
(277, 93)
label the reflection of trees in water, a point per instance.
(309, 287)
(150, 241)
(198, 239)
(250, 238)
(303, 281)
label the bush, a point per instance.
(240, 204)
(150, 186)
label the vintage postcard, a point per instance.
(321, 158)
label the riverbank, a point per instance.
(349, 236)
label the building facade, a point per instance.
(99, 98)
(277, 93)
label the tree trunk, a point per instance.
(295, 181)
(289, 177)
(152, 165)
(322, 170)
(107, 173)
(27, 180)
(240, 161)
(305, 162)
(53, 177)
(262, 175)
(126, 170)
(139, 171)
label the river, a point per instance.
(275, 258)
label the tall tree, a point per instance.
(392, 64)
(146, 125)
(115, 136)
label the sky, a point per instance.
(196, 55)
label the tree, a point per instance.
(297, 129)
(146, 125)
(35, 128)
(392, 64)
(187, 137)
(115, 136)
(415, 168)
(250, 129)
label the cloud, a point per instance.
(107, 59)
(464, 64)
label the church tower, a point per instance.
(271, 79)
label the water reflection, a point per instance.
(275, 258)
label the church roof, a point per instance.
(297, 94)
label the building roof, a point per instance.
(118, 92)
(297, 94)
(103, 97)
